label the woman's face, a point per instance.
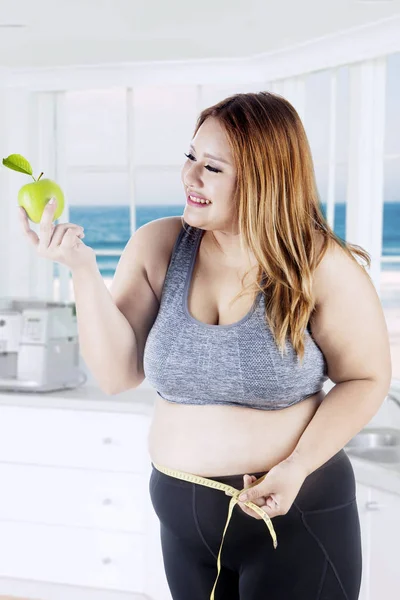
(210, 178)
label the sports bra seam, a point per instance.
(172, 260)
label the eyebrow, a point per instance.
(211, 156)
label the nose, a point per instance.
(191, 176)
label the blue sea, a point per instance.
(108, 228)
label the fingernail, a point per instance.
(243, 498)
(52, 200)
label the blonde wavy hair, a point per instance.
(278, 209)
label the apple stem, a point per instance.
(39, 176)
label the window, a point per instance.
(390, 290)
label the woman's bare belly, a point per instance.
(217, 440)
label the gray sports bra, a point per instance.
(239, 364)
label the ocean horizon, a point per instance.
(108, 228)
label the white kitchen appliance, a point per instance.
(39, 348)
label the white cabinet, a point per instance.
(74, 497)
(75, 508)
(384, 552)
(363, 497)
(68, 438)
(64, 555)
(380, 530)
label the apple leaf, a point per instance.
(18, 163)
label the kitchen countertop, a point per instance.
(382, 476)
(86, 397)
(141, 401)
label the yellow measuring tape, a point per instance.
(230, 491)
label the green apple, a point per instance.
(33, 197)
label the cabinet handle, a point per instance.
(374, 505)
(107, 440)
(107, 501)
(106, 560)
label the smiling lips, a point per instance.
(198, 200)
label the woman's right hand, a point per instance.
(61, 243)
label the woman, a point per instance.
(240, 381)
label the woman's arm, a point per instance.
(350, 328)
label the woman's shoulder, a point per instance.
(161, 235)
(334, 267)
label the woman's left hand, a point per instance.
(277, 491)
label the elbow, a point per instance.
(107, 391)
(128, 385)
(110, 390)
(123, 383)
(383, 382)
(381, 387)
(113, 391)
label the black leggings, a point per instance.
(319, 542)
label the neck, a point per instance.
(226, 248)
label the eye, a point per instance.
(212, 169)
